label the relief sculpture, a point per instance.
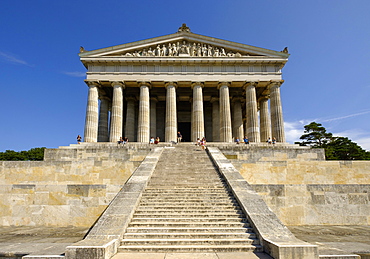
(184, 48)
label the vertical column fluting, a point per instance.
(215, 119)
(143, 129)
(153, 116)
(103, 135)
(238, 119)
(117, 109)
(198, 113)
(130, 118)
(252, 112)
(265, 123)
(171, 113)
(91, 120)
(276, 109)
(225, 113)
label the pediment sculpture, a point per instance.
(183, 49)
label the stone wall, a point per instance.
(72, 187)
(302, 190)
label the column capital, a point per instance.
(201, 84)
(221, 84)
(263, 97)
(91, 83)
(144, 83)
(277, 83)
(166, 84)
(117, 83)
(250, 83)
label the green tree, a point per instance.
(342, 148)
(34, 154)
(336, 148)
(315, 135)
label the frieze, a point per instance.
(183, 49)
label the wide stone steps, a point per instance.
(189, 235)
(188, 215)
(188, 230)
(220, 219)
(189, 224)
(190, 241)
(189, 248)
(187, 207)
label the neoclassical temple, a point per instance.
(195, 84)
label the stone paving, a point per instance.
(52, 241)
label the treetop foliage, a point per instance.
(34, 154)
(336, 148)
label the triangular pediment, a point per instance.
(183, 44)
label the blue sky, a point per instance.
(43, 96)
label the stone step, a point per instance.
(179, 191)
(189, 207)
(189, 235)
(189, 241)
(150, 219)
(187, 230)
(189, 224)
(187, 215)
(186, 202)
(187, 211)
(190, 248)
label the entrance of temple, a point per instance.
(185, 129)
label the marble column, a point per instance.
(103, 135)
(153, 116)
(252, 112)
(117, 110)
(171, 113)
(215, 119)
(238, 119)
(265, 122)
(225, 113)
(143, 129)
(130, 118)
(276, 109)
(198, 113)
(91, 122)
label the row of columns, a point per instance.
(96, 125)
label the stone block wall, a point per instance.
(309, 192)
(72, 187)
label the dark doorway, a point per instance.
(185, 129)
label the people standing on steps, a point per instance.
(246, 140)
(203, 143)
(156, 141)
(269, 140)
(79, 139)
(120, 141)
(179, 137)
(273, 140)
(237, 140)
(197, 142)
(151, 141)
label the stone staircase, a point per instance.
(187, 207)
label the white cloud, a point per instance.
(345, 117)
(75, 74)
(13, 59)
(294, 130)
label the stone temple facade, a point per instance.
(195, 84)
